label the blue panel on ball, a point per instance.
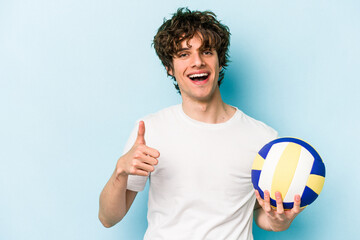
(255, 176)
(265, 150)
(308, 197)
(288, 205)
(272, 202)
(261, 193)
(318, 168)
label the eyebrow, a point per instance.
(188, 48)
(183, 49)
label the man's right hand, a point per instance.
(140, 159)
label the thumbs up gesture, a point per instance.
(140, 159)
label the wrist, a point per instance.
(120, 169)
(120, 175)
(119, 181)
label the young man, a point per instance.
(197, 155)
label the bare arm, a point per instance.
(115, 199)
(274, 219)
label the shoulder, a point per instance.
(162, 119)
(162, 114)
(257, 126)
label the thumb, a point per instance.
(141, 133)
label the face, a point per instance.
(196, 71)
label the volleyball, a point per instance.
(290, 166)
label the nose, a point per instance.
(197, 60)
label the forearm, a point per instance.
(260, 219)
(113, 205)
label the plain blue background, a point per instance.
(75, 75)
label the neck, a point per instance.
(212, 111)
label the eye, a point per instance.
(208, 52)
(182, 54)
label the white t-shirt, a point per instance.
(201, 187)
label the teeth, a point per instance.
(198, 75)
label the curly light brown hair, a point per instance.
(183, 25)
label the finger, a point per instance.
(297, 200)
(141, 133)
(146, 167)
(259, 199)
(139, 172)
(151, 152)
(279, 203)
(139, 165)
(149, 160)
(267, 206)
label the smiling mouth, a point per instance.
(198, 76)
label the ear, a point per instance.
(169, 71)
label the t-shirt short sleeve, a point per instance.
(135, 183)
